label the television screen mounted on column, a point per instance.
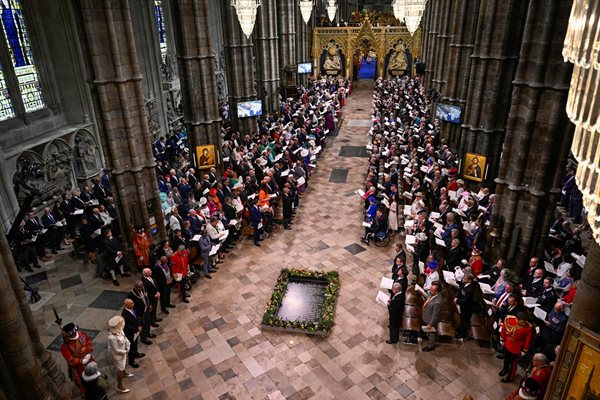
(252, 108)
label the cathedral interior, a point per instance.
(166, 163)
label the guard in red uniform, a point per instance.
(540, 372)
(516, 335)
(180, 262)
(77, 350)
(141, 246)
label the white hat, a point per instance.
(304, 152)
(421, 237)
(203, 201)
(261, 161)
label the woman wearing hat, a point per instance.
(94, 384)
(118, 348)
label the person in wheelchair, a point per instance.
(378, 227)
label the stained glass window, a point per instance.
(21, 55)
(160, 21)
(6, 108)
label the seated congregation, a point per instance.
(440, 286)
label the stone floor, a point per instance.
(213, 347)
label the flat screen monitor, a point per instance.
(252, 108)
(305, 68)
(449, 112)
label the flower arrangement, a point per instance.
(324, 325)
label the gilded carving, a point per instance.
(380, 38)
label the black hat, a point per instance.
(70, 328)
(530, 389)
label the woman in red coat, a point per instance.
(180, 262)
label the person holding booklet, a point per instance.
(432, 315)
(395, 307)
(114, 256)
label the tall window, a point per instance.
(160, 21)
(23, 64)
(6, 108)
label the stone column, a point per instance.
(302, 53)
(286, 25)
(538, 136)
(442, 41)
(196, 64)
(32, 371)
(493, 64)
(149, 59)
(239, 65)
(430, 32)
(463, 23)
(118, 94)
(268, 55)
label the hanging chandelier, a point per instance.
(398, 7)
(306, 7)
(331, 9)
(582, 48)
(413, 12)
(246, 13)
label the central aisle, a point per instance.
(214, 348)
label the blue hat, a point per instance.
(433, 264)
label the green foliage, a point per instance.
(330, 297)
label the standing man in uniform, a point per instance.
(395, 308)
(516, 335)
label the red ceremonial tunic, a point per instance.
(516, 338)
(141, 247)
(180, 263)
(74, 351)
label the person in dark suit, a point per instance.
(454, 255)
(49, 220)
(114, 256)
(196, 223)
(68, 209)
(395, 308)
(35, 227)
(534, 285)
(143, 309)
(153, 295)
(179, 240)
(548, 297)
(26, 248)
(161, 272)
(464, 299)
(132, 329)
(256, 219)
(287, 208)
(432, 315)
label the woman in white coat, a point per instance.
(118, 347)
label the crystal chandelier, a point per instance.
(331, 9)
(413, 11)
(306, 7)
(582, 48)
(246, 13)
(398, 7)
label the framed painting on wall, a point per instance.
(578, 374)
(474, 167)
(206, 156)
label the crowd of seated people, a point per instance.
(412, 188)
(265, 174)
